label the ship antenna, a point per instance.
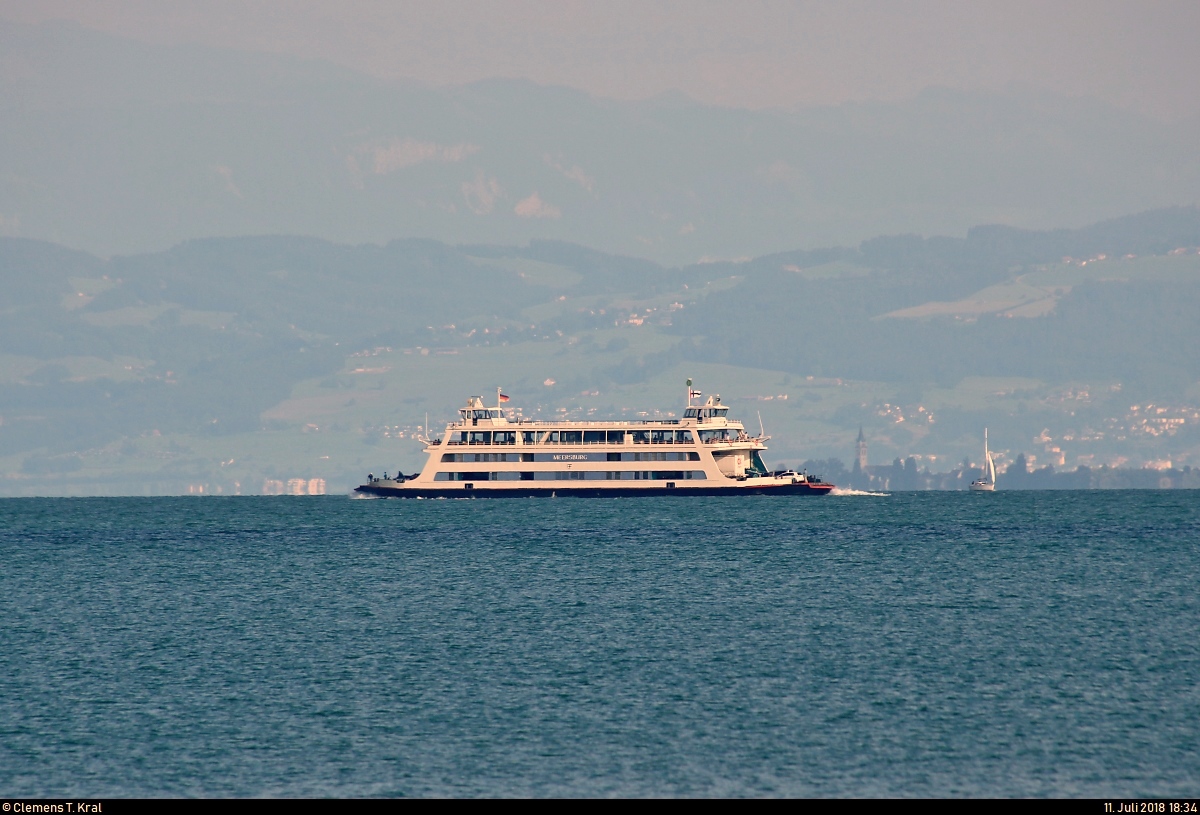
(689, 392)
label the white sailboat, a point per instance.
(988, 482)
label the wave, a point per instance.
(847, 491)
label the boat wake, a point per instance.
(847, 491)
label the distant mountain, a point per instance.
(119, 147)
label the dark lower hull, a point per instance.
(594, 492)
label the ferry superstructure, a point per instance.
(485, 454)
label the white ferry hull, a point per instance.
(756, 486)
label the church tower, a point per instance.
(860, 451)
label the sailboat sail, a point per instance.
(989, 467)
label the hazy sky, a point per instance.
(1143, 55)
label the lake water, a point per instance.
(917, 644)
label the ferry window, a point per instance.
(479, 414)
(572, 437)
(495, 413)
(690, 413)
(693, 456)
(504, 437)
(470, 476)
(551, 437)
(480, 437)
(614, 456)
(458, 437)
(662, 436)
(616, 437)
(683, 437)
(641, 437)
(528, 437)
(529, 457)
(593, 437)
(526, 476)
(448, 456)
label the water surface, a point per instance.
(919, 644)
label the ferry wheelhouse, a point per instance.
(486, 454)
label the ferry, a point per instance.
(488, 454)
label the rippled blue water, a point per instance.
(922, 644)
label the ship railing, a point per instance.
(551, 423)
(453, 443)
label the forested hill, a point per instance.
(1054, 305)
(203, 340)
